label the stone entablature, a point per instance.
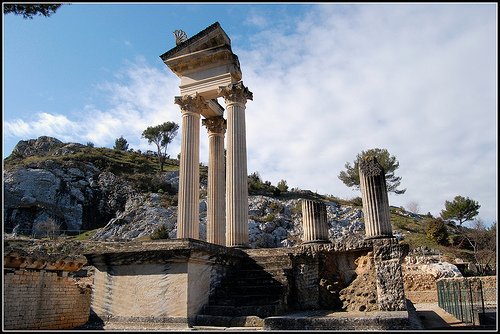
(54, 262)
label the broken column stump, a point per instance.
(375, 200)
(315, 223)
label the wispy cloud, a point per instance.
(44, 124)
(406, 78)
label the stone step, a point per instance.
(253, 275)
(254, 280)
(213, 321)
(244, 300)
(269, 263)
(262, 311)
(254, 289)
(253, 272)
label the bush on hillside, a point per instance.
(436, 231)
(160, 233)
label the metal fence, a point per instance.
(468, 299)
(61, 233)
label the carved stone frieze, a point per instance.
(220, 56)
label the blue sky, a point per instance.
(329, 80)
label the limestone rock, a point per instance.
(77, 196)
(142, 215)
(442, 270)
(36, 147)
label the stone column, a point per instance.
(216, 215)
(375, 199)
(188, 222)
(315, 224)
(236, 96)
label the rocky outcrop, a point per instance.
(79, 196)
(43, 146)
(272, 222)
(278, 223)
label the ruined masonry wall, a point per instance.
(37, 299)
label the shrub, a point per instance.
(48, 227)
(160, 233)
(436, 231)
(270, 218)
(296, 208)
(356, 201)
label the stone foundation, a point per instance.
(172, 281)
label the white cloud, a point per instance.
(406, 78)
(44, 124)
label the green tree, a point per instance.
(161, 135)
(282, 186)
(436, 230)
(460, 209)
(255, 182)
(121, 144)
(350, 177)
(30, 10)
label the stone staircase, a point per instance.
(258, 289)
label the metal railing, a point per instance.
(465, 298)
(60, 233)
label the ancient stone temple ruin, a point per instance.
(208, 69)
(188, 282)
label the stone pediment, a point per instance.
(205, 39)
(204, 63)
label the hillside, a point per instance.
(108, 194)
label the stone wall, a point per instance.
(39, 299)
(420, 286)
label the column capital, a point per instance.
(371, 167)
(189, 103)
(235, 93)
(215, 125)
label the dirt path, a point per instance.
(434, 317)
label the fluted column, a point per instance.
(314, 222)
(235, 96)
(375, 200)
(188, 222)
(216, 206)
